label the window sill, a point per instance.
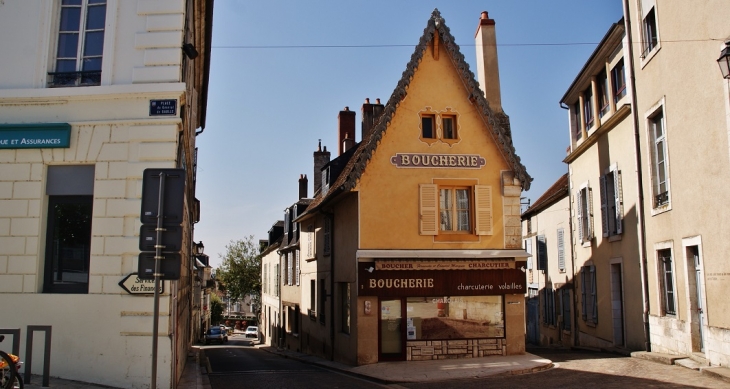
(591, 324)
(647, 58)
(615, 238)
(456, 238)
(661, 209)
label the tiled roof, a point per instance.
(556, 192)
(497, 122)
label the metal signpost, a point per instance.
(168, 216)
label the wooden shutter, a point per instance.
(297, 270)
(583, 287)
(594, 294)
(541, 253)
(428, 211)
(618, 193)
(327, 249)
(589, 212)
(604, 206)
(483, 205)
(561, 250)
(579, 213)
(528, 248)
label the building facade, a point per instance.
(419, 223)
(270, 286)
(550, 315)
(680, 94)
(93, 93)
(605, 216)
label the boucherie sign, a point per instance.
(423, 283)
(454, 161)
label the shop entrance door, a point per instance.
(392, 345)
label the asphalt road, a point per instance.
(238, 364)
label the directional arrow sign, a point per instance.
(133, 285)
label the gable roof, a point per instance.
(497, 122)
(556, 192)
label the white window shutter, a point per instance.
(561, 250)
(528, 248)
(483, 205)
(589, 209)
(428, 200)
(579, 208)
(604, 205)
(297, 269)
(618, 193)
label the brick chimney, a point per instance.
(487, 64)
(370, 115)
(321, 158)
(303, 186)
(345, 127)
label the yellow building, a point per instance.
(415, 230)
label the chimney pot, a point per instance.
(485, 15)
(367, 100)
(377, 101)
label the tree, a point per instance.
(216, 309)
(240, 271)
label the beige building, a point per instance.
(602, 165)
(550, 274)
(92, 93)
(682, 113)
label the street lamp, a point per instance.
(198, 248)
(724, 61)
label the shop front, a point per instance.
(443, 308)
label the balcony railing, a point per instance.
(65, 79)
(661, 199)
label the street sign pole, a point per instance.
(158, 257)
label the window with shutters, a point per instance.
(542, 257)
(561, 250)
(584, 214)
(589, 298)
(327, 237)
(548, 306)
(310, 241)
(611, 203)
(565, 303)
(297, 271)
(455, 210)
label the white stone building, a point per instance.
(92, 93)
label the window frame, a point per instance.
(618, 81)
(603, 100)
(49, 284)
(455, 210)
(667, 274)
(480, 214)
(650, 33)
(584, 214)
(79, 77)
(588, 117)
(661, 199)
(589, 301)
(542, 253)
(611, 202)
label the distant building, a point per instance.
(550, 316)
(92, 93)
(414, 232)
(605, 215)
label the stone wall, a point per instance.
(425, 350)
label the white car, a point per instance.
(251, 332)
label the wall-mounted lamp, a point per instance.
(198, 248)
(189, 50)
(724, 61)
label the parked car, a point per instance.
(252, 332)
(216, 335)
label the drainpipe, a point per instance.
(332, 282)
(640, 185)
(576, 338)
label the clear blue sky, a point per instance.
(276, 89)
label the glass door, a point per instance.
(392, 346)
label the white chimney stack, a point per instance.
(487, 64)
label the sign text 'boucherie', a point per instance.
(454, 161)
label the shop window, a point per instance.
(667, 281)
(455, 317)
(589, 298)
(80, 44)
(345, 307)
(68, 235)
(455, 208)
(611, 203)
